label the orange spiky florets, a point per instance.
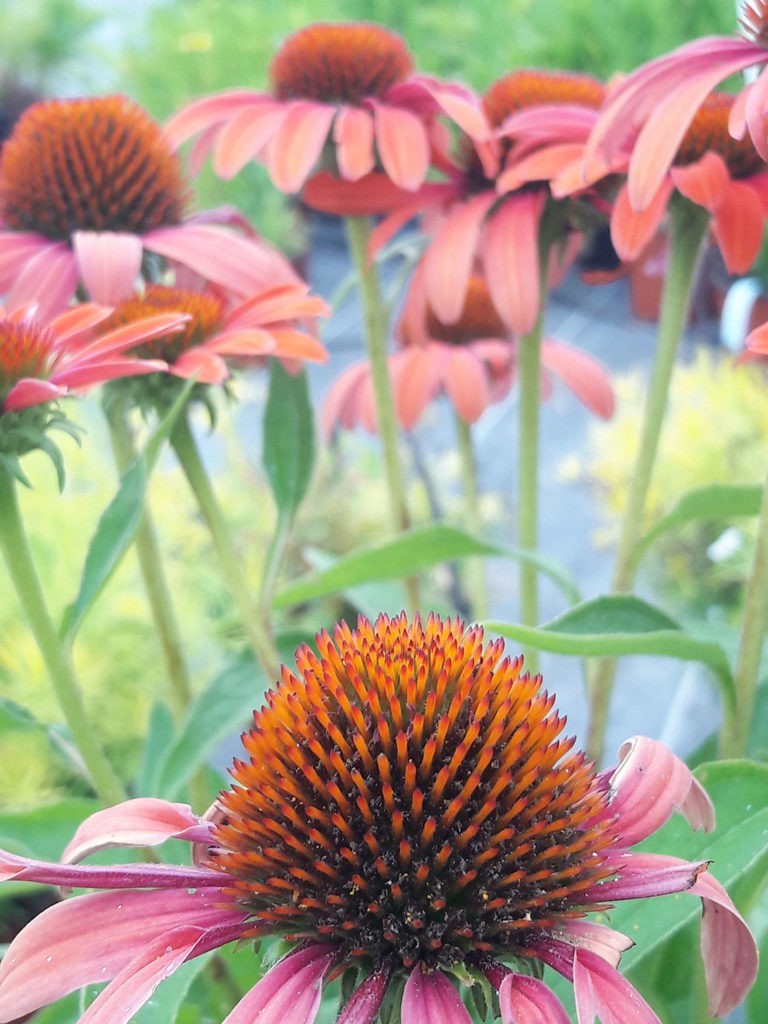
(205, 312)
(409, 797)
(25, 351)
(532, 88)
(339, 63)
(708, 132)
(96, 164)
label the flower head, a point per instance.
(43, 360)
(86, 186)
(345, 98)
(408, 810)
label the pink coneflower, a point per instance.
(473, 361)
(268, 324)
(653, 107)
(87, 188)
(409, 812)
(725, 176)
(344, 97)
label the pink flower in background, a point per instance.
(88, 187)
(413, 847)
(473, 361)
(344, 98)
(268, 324)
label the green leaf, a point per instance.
(621, 625)
(43, 832)
(13, 716)
(409, 553)
(717, 501)
(118, 524)
(224, 706)
(168, 997)
(289, 438)
(160, 737)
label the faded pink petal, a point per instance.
(582, 374)
(208, 112)
(136, 982)
(704, 181)
(449, 259)
(121, 338)
(342, 403)
(202, 364)
(30, 391)
(631, 231)
(541, 165)
(296, 147)
(466, 383)
(109, 263)
(86, 375)
(18, 248)
(641, 875)
(247, 342)
(650, 783)
(91, 938)
(511, 259)
(48, 279)
(526, 1000)
(728, 948)
(737, 225)
(415, 376)
(430, 998)
(291, 344)
(289, 993)
(601, 992)
(244, 137)
(145, 821)
(402, 144)
(243, 266)
(756, 102)
(353, 135)
(599, 938)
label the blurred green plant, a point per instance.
(41, 40)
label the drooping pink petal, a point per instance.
(450, 257)
(286, 302)
(737, 225)
(145, 821)
(402, 144)
(208, 112)
(125, 337)
(109, 263)
(466, 383)
(247, 342)
(296, 147)
(76, 323)
(48, 279)
(640, 875)
(583, 374)
(290, 992)
(429, 998)
(30, 391)
(81, 377)
(511, 259)
(631, 230)
(756, 102)
(601, 992)
(241, 265)
(292, 344)
(14, 867)
(245, 136)
(340, 401)
(353, 135)
(649, 783)
(542, 165)
(728, 947)
(17, 248)
(526, 1000)
(415, 374)
(135, 983)
(91, 938)
(599, 938)
(703, 181)
(202, 364)
(363, 1005)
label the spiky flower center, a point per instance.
(519, 90)
(25, 351)
(753, 21)
(97, 164)
(339, 63)
(708, 132)
(479, 318)
(409, 797)
(205, 312)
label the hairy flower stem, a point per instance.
(688, 226)
(57, 657)
(152, 571)
(737, 724)
(474, 573)
(529, 370)
(257, 629)
(376, 325)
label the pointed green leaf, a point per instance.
(118, 524)
(717, 501)
(621, 625)
(408, 553)
(289, 438)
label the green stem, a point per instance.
(737, 725)
(376, 327)
(688, 226)
(257, 629)
(152, 571)
(57, 658)
(474, 567)
(529, 371)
